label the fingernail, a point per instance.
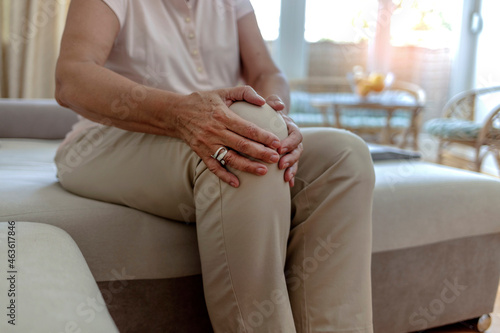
(262, 171)
(276, 144)
(233, 184)
(283, 150)
(286, 165)
(275, 158)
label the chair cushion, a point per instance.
(371, 119)
(453, 129)
(304, 114)
(300, 102)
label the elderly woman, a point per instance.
(168, 129)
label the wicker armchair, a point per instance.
(458, 127)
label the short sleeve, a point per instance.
(243, 7)
(119, 7)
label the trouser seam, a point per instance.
(303, 192)
(306, 315)
(227, 260)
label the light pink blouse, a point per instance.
(176, 45)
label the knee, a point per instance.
(340, 146)
(357, 157)
(263, 116)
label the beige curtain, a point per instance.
(30, 36)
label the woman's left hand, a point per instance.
(291, 148)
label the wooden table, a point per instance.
(390, 101)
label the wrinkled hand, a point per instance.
(291, 148)
(205, 122)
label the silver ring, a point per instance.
(219, 155)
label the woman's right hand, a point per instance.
(205, 122)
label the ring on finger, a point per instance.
(220, 154)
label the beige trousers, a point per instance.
(274, 259)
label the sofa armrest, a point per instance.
(35, 118)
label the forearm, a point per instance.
(106, 97)
(273, 84)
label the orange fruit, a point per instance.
(377, 81)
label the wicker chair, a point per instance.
(458, 126)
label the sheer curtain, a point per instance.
(30, 35)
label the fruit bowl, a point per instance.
(375, 82)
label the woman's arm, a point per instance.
(202, 119)
(260, 72)
(84, 85)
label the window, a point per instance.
(488, 71)
(425, 23)
(340, 21)
(268, 17)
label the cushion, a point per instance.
(54, 289)
(453, 129)
(304, 114)
(34, 118)
(418, 203)
(114, 239)
(372, 119)
(300, 102)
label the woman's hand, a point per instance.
(205, 122)
(291, 148)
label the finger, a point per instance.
(292, 141)
(292, 182)
(239, 162)
(291, 158)
(249, 130)
(243, 93)
(290, 172)
(275, 102)
(215, 167)
(250, 148)
(245, 128)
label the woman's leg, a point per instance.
(329, 251)
(242, 233)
